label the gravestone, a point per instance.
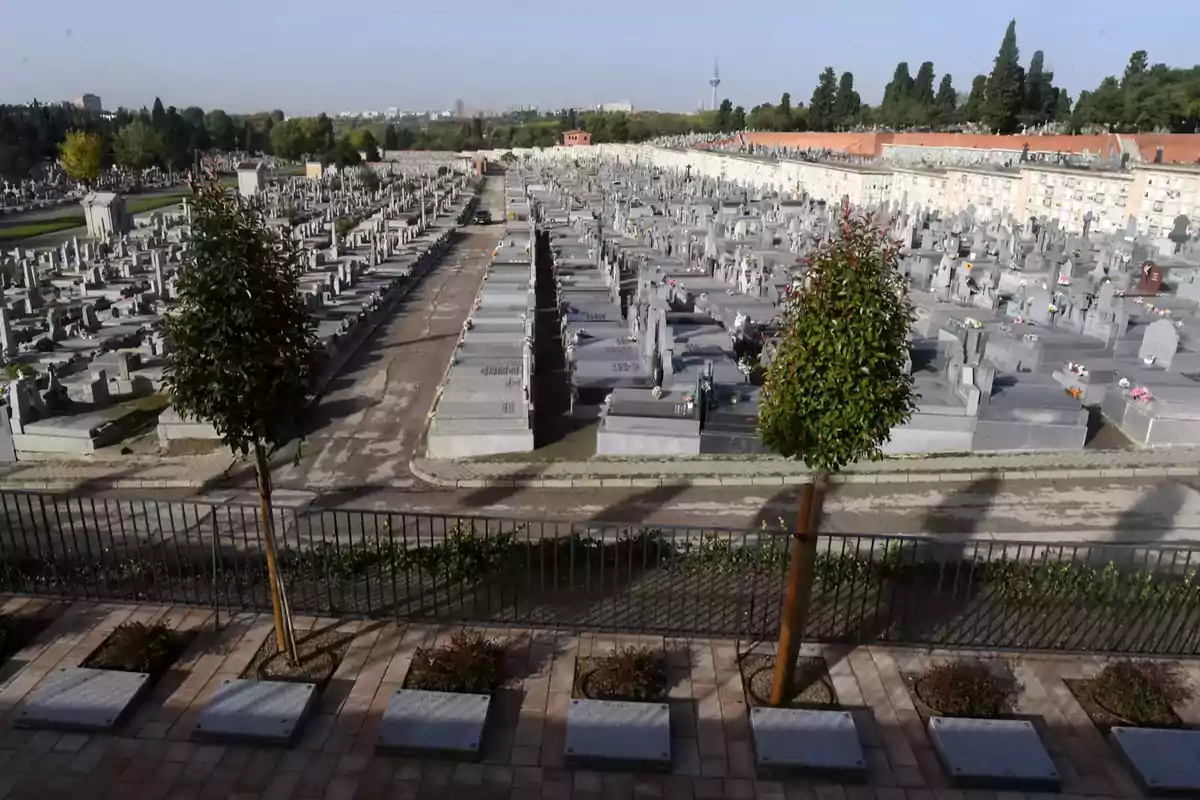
(1160, 342)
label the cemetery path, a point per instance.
(367, 425)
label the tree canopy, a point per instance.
(80, 154)
(838, 383)
(243, 345)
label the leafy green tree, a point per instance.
(1005, 86)
(737, 120)
(369, 146)
(783, 113)
(137, 145)
(724, 114)
(923, 85)
(836, 388)
(80, 154)
(391, 139)
(291, 140)
(343, 154)
(369, 178)
(946, 102)
(1138, 63)
(846, 104)
(221, 130)
(822, 106)
(243, 347)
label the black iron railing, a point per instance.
(935, 591)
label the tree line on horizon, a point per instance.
(1008, 99)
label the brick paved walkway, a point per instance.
(523, 754)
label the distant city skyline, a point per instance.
(307, 57)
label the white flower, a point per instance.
(1123, 383)
(656, 392)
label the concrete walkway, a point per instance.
(523, 753)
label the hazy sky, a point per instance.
(306, 56)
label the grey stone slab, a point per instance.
(616, 734)
(806, 740)
(993, 752)
(81, 699)
(434, 723)
(1163, 761)
(256, 712)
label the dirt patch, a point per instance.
(135, 647)
(603, 678)
(811, 688)
(320, 653)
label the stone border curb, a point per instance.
(742, 481)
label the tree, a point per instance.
(369, 146)
(405, 139)
(1005, 86)
(945, 104)
(896, 97)
(724, 114)
(291, 140)
(846, 104)
(137, 145)
(737, 121)
(923, 85)
(972, 110)
(369, 178)
(243, 347)
(80, 155)
(821, 108)
(221, 130)
(343, 154)
(836, 388)
(158, 117)
(1135, 68)
(783, 113)
(391, 140)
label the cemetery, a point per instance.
(81, 323)
(1030, 334)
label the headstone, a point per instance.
(1160, 342)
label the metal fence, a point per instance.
(934, 591)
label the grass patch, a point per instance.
(32, 229)
(140, 205)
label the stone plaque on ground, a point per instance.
(620, 735)
(999, 753)
(804, 740)
(434, 723)
(256, 712)
(1166, 761)
(81, 699)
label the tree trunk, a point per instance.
(802, 556)
(285, 640)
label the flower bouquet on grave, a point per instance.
(1142, 393)
(745, 367)
(1123, 383)
(971, 322)
(1075, 392)
(657, 392)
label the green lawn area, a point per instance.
(140, 205)
(41, 228)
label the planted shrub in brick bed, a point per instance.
(965, 688)
(468, 663)
(635, 674)
(1135, 693)
(139, 647)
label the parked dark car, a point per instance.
(482, 217)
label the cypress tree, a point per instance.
(1006, 86)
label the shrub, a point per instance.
(1140, 692)
(137, 647)
(631, 673)
(468, 663)
(966, 689)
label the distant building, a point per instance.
(89, 102)
(577, 138)
(612, 108)
(460, 109)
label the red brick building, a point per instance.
(577, 138)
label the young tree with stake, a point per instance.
(836, 388)
(242, 347)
